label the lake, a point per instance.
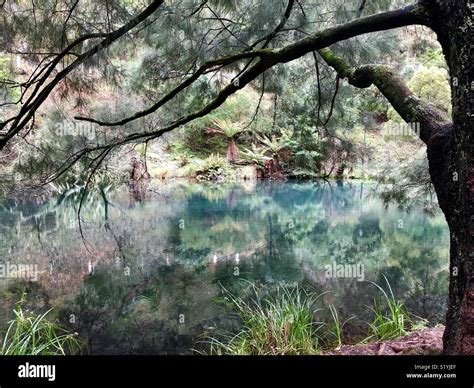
(148, 274)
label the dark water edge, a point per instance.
(149, 278)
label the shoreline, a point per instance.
(428, 341)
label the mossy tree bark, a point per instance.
(450, 147)
(452, 169)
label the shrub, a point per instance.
(30, 334)
(283, 325)
(395, 321)
(431, 85)
(211, 168)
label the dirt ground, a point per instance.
(427, 341)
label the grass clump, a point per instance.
(285, 324)
(393, 322)
(32, 335)
(337, 326)
(279, 325)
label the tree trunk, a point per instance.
(232, 151)
(450, 150)
(451, 157)
(340, 171)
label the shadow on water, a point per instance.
(153, 282)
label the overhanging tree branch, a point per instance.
(410, 15)
(409, 106)
(38, 96)
(414, 14)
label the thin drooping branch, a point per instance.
(39, 95)
(318, 84)
(333, 101)
(268, 38)
(409, 106)
(259, 103)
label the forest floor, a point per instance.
(422, 342)
(386, 155)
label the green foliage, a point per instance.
(211, 168)
(144, 69)
(256, 154)
(432, 85)
(394, 322)
(212, 162)
(7, 93)
(276, 142)
(409, 185)
(282, 325)
(227, 128)
(309, 151)
(31, 335)
(434, 58)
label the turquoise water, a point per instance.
(147, 276)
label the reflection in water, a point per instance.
(153, 277)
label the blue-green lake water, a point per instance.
(148, 278)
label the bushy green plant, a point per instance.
(393, 322)
(431, 85)
(280, 325)
(284, 323)
(29, 334)
(337, 326)
(256, 154)
(211, 168)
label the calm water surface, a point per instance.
(149, 277)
